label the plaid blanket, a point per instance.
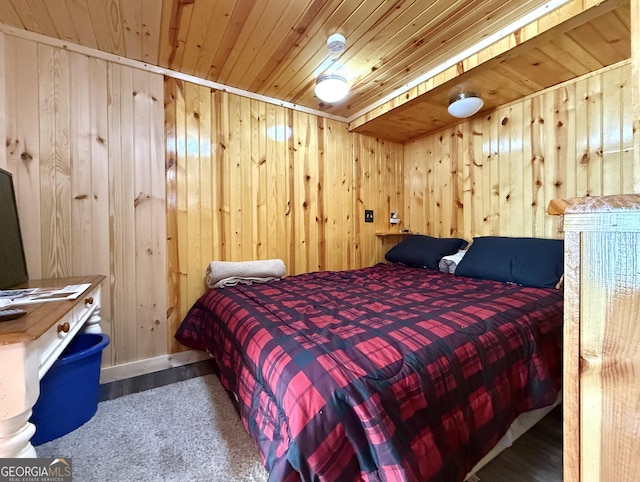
(386, 373)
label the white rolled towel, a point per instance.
(448, 264)
(229, 273)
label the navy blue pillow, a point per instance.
(423, 251)
(533, 262)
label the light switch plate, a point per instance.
(368, 215)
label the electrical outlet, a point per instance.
(368, 215)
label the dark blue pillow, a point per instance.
(533, 262)
(423, 251)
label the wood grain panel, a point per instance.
(81, 161)
(80, 15)
(8, 15)
(615, 365)
(107, 25)
(85, 146)
(121, 268)
(61, 19)
(149, 213)
(55, 162)
(517, 158)
(34, 16)
(245, 191)
(132, 31)
(509, 71)
(635, 86)
(23, 145)
(601, 337)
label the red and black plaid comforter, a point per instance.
(387, 373)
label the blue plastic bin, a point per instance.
(70, 389)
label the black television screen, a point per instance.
(13, 266)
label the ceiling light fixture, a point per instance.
(465, 104)
(331, 87)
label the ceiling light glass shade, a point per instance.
(465, 104)
(331, 88)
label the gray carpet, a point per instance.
(188, 430)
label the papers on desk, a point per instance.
(40, 295)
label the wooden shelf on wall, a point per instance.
(394, 233)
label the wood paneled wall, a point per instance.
(240, 189)
(99, 193)
(84, 141)
(85, 144)
(495, 174)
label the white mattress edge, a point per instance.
(520, 425)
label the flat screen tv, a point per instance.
(13, 266)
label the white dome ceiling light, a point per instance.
(465, 104)
(332, 87)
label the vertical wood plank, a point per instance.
(551, 181)
(193, 191)
(537, 164)
(582, 138)
(23, 144)
(149, 188)
(571, 364)
(259, 148)
(155, 152)
(594, 110)
(492, 176)
(474, 205)
(518, 145)
(568, 146)
(55, 202)
(557, 143)
(247, 203)
(225, 168)
(635, 94)
(182, 194)
(504, 165)
(173, 268)
(98, 195)
(81, 163)
(123, 283)
(612, 142)
(206, 166)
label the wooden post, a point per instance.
(635, 90)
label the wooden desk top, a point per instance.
(42, 316)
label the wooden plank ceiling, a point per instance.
(276, 48)
(597, 38)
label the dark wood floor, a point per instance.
(109, 391)
(534, 457)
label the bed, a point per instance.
(385, 373)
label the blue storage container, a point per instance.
(69, 391)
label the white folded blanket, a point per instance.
(448, 264)
(229, 273)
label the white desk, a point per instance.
(29, 346)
